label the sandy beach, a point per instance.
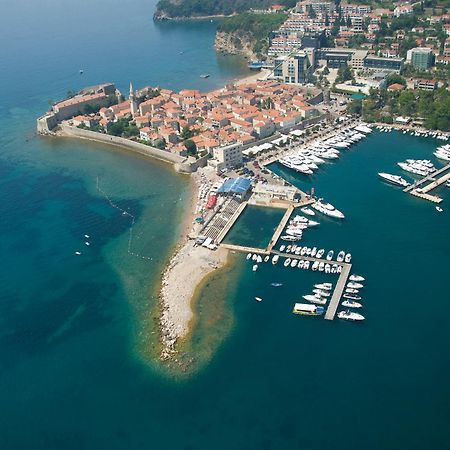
(260, 75)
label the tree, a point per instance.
(312, 14)
(344, 74)
(326, 71)
(355, 107)
(190, 147)
(186, 133)
(394, 78)
(406, 103)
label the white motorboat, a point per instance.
(314, 251)
(266, 258)
(328, 209)
(351, 291)
(282, 248)
(320, 253)
(327, 268)
(334, 268)
(294, 262)
(303, 252)
(315, 299)
(258, 299)
(339, 269)
(315, 265)
(287, 261)
(321, 266)
(330, 255)
(439, 209)
(394, 179)
(351, 304)
(254, 257)
(249, 255)
(324, 286)
(312, 223)
(290, 238)
(301, 264)
(413, 169)
(352, 296)
(77, 253)
(308, 211)
(321, 292)
(349, 315)
(259, 259)
(306, 266)
(348, 257)
(356, 278)
(275, 259)
(340, 256)
(354, 285)
(255, 267)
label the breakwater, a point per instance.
(181, 164)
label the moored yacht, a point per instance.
(394, 179)
(354, 285)
(351, 304)
(349, 315)
(327, 208)
(356, 278)
(308, 310)
(308, 211)
(315, 299)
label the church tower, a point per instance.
(133, 103)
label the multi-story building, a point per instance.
(339, 57)
(349, 10)
(421, 58)
(227, 157)
(293, 69)
(372, 62)
(318, 6)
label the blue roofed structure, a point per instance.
(238, 186)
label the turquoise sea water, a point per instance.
(72, 328)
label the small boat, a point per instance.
(255, 267)
(77, 253)
(348, 257)
(354, 285)
(394, 179)
(321, 293)
(321, 266)
(259, 260)
(356, 278)
(339, 269)
(204, 75)
(282, 248)
(315, 299)
(330, 255)
(294, 262)
(314, 251)
(308, 211)
(287, 261)
(258, 299)
(351, 304)
(266, 258)
(86, 236)
(349, 315)
(439, 209)
(289, 238)
(275, 259)
(254, 257)
(351, 291)
(327, 268)
(81, 71)
(306, 266)
(324, 286)
(276, 284)
(87, 243)
(352, 296)
(308, 310)
(249, 255)
(320, 253)
(340, 256)
(315, 265)
(301, 264)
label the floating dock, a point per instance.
(417, 190)
(338, 291)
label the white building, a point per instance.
(227, 157)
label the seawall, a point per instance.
(181, 164)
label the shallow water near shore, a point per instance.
(72, 328)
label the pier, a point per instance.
(338, 291)
(280, 227)
(423, 192)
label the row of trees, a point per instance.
(381, 106)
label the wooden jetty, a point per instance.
(338, 291)
(431, 177)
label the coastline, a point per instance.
(186, 270)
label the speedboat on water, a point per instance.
(321, 266)
(356, 278)
(327, 268)
(320, 253)
(287, 261)
(308, 310)
(321, 292)
(349, 315)
(276, 284)
(351, 291)
(275, 259)
(289, 238)
(327, 208)
(394, 179)
(315, 299)
(340, 256)
(294, 262)
(352, 296)
(249, 255)
(258, 299)
(413, 169)
(354, 285)
(439, 209)
(282, 248)
(255, 267)
(266, 258)
(351, 304)
(315, 265)
(348, 257)
(306, 266)
(308, 211)
(330, 255)
(324, 286)
(314, 251)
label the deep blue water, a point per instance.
(71, 374)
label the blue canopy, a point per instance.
(235, 186)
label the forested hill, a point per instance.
(200, 8)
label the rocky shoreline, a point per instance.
(234, 44)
